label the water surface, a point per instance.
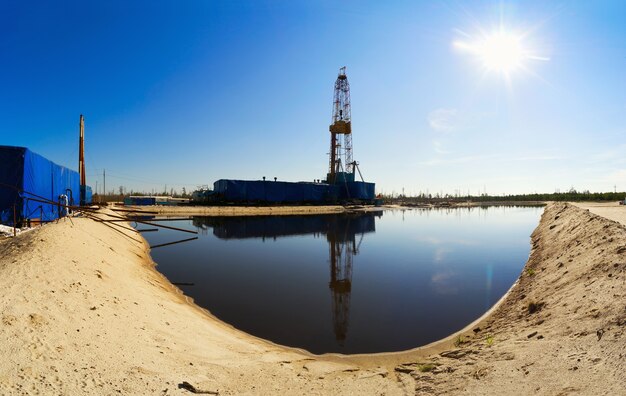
(350, 283)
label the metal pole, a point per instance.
(104, 176)
(172, 243)
(115, 216)
(14, 221)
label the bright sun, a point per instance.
(501, 51)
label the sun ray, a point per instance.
(502, 51)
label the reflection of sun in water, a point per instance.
(502, 51)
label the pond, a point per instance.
(350, 283)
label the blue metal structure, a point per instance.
(26, 177)
(86, 195)
(262, 191)
(139, 201)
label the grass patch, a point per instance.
(489, 340)
(530, 271)
(459, 341)
(426, 367)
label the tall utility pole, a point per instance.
(104, 182)
(81, 159)
(341, 126)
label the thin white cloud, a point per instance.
(458, 160)
(492, 158)
(617, 177)
(537, 158)
(439, 147)
(451, 119)
(443, 120)
(613, 154)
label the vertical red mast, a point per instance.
(81, 159)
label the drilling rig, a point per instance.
(339, 186)
(341, 164)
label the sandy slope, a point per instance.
(83, 312)
(561, 329)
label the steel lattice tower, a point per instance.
(341, 129)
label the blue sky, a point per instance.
(185, 93)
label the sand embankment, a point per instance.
(84, 312)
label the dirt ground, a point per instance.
(85, 312)
(236, 210)
(611, 210)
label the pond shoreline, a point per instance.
(165, 210)
(264, 210)
(98, 318)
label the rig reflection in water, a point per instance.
(342, 232)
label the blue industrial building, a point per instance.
(264, 191)
(27, 179)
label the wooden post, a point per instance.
(14, 221)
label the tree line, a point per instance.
(571, 196)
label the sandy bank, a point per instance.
(559, 330)
(85, 313)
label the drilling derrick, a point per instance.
(341, 130)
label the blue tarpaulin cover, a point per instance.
(139, 201)
(25, 176)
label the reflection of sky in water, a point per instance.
(417, 276)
